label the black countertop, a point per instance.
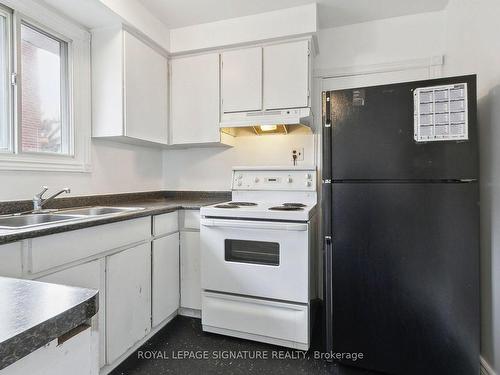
(33, 313)
(153, 204)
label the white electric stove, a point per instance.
(257, 263)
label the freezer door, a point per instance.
(373, 136)
(406, 276)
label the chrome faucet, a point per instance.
(39, 202)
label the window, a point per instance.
(5, 123)
(43, 125)
(44, 90)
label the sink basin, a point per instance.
(95, 211)
(32, 220)
(26, 221)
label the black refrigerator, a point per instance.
(400, 220)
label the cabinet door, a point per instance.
(146, 91)
(11, 264)
(194, 99)
(87, 275)
(286, 75)
(242, 80)
(165, 277)
(128, 299)
(190, 270)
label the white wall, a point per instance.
(362, 44)
(473, 46)
(132, 12)
(105, 13)
(467, 33)
(380, 42)
(210, 168)
(116, 168)
(269, 25)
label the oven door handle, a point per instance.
(254, 225)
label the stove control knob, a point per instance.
(239, 183)
(308, 176)
(289, 180)
(256, 179)
(308, 183)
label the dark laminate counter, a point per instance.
(154, 203)
(33, 313)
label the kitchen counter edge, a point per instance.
(33, 324)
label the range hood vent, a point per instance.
(267, 120)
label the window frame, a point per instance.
(75, 103)
(7, 13)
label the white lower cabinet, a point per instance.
(165, 263)
(74, 356)
(87, 275)
(11, 260)
(128, 299)
(190, 270)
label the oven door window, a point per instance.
(254, 252)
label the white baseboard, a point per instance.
(192, 313)
(486, 369)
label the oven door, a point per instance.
(256, 258)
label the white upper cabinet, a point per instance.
(129, 88)
(242, 80)
(274, 76)
(194, 99)
(146, 91)
(286, 75)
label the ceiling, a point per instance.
(179, 13)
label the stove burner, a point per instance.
(286, 208)
(242, 204)
(226, 206)
(294, 205)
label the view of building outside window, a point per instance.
(42, 60)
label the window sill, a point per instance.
(59, 164)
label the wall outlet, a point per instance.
(299, 151)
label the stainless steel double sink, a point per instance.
(71, 214)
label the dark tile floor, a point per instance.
(185, 334)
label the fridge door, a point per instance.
(373, 136)
(406, 276)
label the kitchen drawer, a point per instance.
(273, 319)
(11, 260)
(58, 249)
(165, 223)
(191, 219)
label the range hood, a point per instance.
(267, 122)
